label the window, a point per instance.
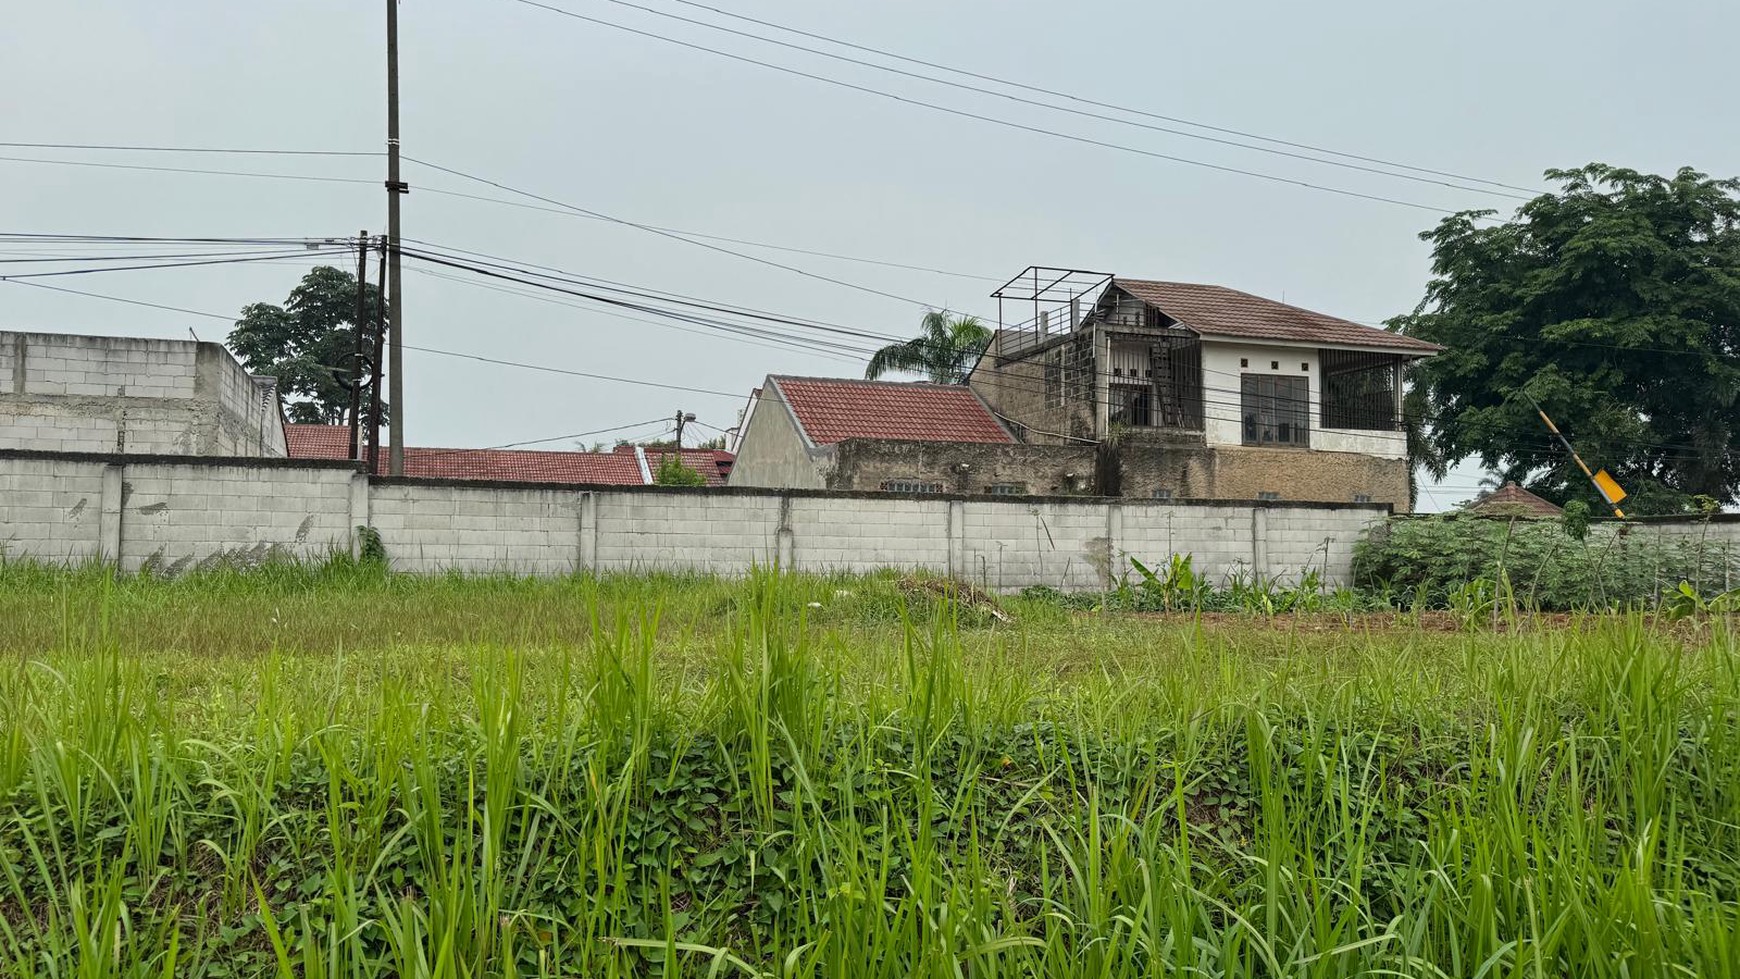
(1304, 365)
(910, 486)
(1268, 496)
(1244, 362)
(1007, 489)
(1362, 497)
(1359, 390)
(1131, 406)
(1275, 410)
(1162, 494)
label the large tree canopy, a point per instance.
(1615, 305)
(308, 344)
(944, 351)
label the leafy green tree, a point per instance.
(944, 351)
(1615, 305)
(308, 345)
(672, 472)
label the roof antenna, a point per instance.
(195, 336)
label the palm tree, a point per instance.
(944, 351)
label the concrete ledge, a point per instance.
(144, 459)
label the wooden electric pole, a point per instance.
(395, 301)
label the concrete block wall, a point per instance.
(70, 393)
(175, 515)
(83, 366)
(653, 530)
(1067, 546)
(171, 513)
(488, 528)
(871, 532)
(1219, 538)
(52, 509)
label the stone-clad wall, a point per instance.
(170, 513)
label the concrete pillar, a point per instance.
(785, 541)
(957, 520)
(1260, 541)
(586, 553)
(19, 349)
(1114, 534)
(109, 517)
(359, 510)
(1102, 368)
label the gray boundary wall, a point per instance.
(173, 512)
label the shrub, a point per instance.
(1546, 563)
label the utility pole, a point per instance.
(356, 352)
(375, 384)
(395, 302)
(681, 418)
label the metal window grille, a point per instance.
(1007, 489)
(1360, 390)
(910, 486)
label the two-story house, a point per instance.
(1202, 392)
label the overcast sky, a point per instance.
(658, 134)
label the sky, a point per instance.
(650, 132)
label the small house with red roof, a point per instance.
(846, 434)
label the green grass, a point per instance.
(332, 772)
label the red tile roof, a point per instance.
(1220, 311)
(1511, 500)
(714, 464)
(596, 468)
(830, 410)
(317, 441)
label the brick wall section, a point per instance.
(1217, 538)
(51, 509)
(67, 393)
(174, 516)
(447, 527)
(1008, 545)
(685, 531)
(173, 513)
(865, 533)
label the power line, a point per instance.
(569, 212)
(273, 257)
(493, 287)
(1043, 105)
(1104, 105)
(194, 170)
(994, 120)
(185, 149)
(667, 234)
(428, 350)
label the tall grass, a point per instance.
(684, 777)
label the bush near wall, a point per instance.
(1547, 564)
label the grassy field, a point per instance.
(324, 773)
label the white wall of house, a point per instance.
(1223, 420)
(771, 451)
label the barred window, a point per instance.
(1268, 496)
(1359, 390)
(1162, 494)
(1007, 489)
(1275, 410)
(910, 486)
